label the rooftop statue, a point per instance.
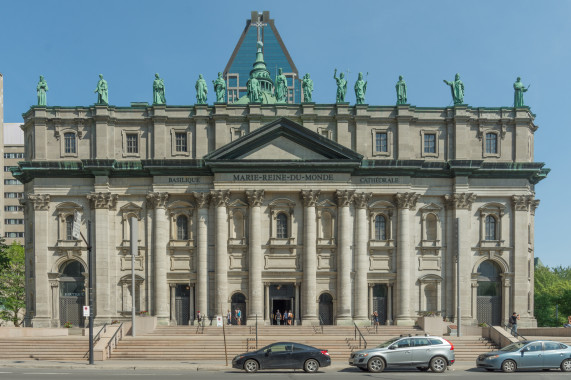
(341, 87)
(519, 89)
(401, 91)
(220, 88)
(307, 85)
(42, 88)
(254, 90)
(159, 90)
(201, 90)
(102, 91)
(457, 88)
(281, 87)
(360, 89)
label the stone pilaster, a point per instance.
(344, 256)
(256, 259)
(361, 258)
(202, 201)
(405, 202)
(309, 293)
(41, 203)
(158, 201)
(219, 199)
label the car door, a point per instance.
(553, 354)
(421, 351)
(300, 354)
(399, 353)
(278, 356)
(530, 356)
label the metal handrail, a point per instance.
(517, 335)
(360, 335)
(112, 343)
(97, 336)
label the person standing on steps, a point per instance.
(513, 323)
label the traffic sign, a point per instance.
(86, 311)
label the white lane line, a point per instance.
(6, 372)
(45, 373)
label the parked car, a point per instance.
(283, 355)
(423, 352)
(536, 354)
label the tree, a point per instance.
(552, 287)
(12, 285)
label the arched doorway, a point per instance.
(239, 303)
(489, 302)
(326, 309)
(72, 294)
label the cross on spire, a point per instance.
(258, 24)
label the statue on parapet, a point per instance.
(341, 87)
(102, 91)
(42, 89)
(307, 85)
(254, 90)
(220, 88)
(360, 89)
(457, 89)
(281, 87)
(401, 91)
(159, 94)
(201, 90)
(519, 89)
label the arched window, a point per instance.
(69, 141)
(491, 143)
(326, 230)
(69, 227)
(431, 227)
(282, 226)
(431, 297)
(380, 227)
(182, 227)
(490, 225)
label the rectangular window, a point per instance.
(12, 182)
(429, 143)
(7, 168)
(181, 142)
(69, 143)
(132, 143)
(13, 195)
(381, 142)
(14, 234)
(13, 208)
(13, 155)
(491, 143)
(13, 221)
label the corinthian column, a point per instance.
(344, 257)
(202, 200)
(361, 263)
(255, 286)
(161, 234)
(309, 295)
(220, 200)
(405, 202)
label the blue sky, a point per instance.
(489, 43)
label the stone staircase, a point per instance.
(73, 347)
(467, 348)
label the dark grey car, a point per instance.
(422, 352)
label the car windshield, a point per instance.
(387, 343)
(513, 347)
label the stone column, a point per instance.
(220, 200)
(267, 298)
(309, 296)
(191, 308)
(161, 235)
(361, 259)
(370, 287)
(297, 312)
(405, 202)
(41, 204)
(256, 259)
(173, 320)
(54, 287)
(202, 200)
(389, 303)
(449, 259)
(344, 257)
(102, 202)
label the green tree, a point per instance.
(12, 285)
(552, 287)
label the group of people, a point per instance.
(283, 319)
(237, 317)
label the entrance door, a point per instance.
(182, 304)
(239, 303)
(489, 302)
(282, 298)
(325, 309)
(282, 305)
(72, 294)
(380, 302)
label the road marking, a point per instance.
(46, 373)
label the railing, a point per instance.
(517, 335)
(361, 337)
(114, 340)
(98, 335)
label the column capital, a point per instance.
(525, 203)
(103, 200)
(202, 199)
(41, 202)
(406, 200)
(255, 197)
(460, 200)
(344, 197)
(310, 197)
(219, 198)
(362, 200)
(157, 200)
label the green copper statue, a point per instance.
(254, 90)
(281, 87)
(341, 87)
(360, 89)
(102, 91)
(42, 89)
(457, 88)
(307, 85)
(519, 89)
(159, 90)
(220, 88)
(201, 90)
(401, 91)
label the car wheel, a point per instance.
(423, 369)
(566, 365)
(438, 364)
(508, 366)
(376, 364)
(311, 366)
(251, 366)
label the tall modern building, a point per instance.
(332, 211)
(1, 145)
(12, 188)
